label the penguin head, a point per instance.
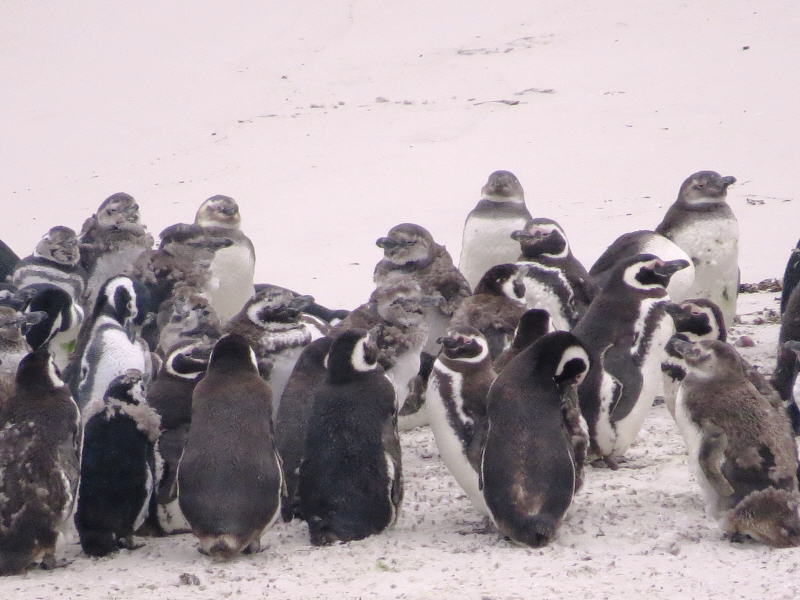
(124, 299)
(561, 356)
(646, 273)
(533, 324)
(59, 245)
(37, 370)
(502, 280)
(542, 237)
(400, 302)
(503, 186)
(219, 211)
(352, 354)
(407, 244)
(232, 353)
(698, 319)
(192, 309)
(704, 189)
(59, 311)
(191, 241)
(120, 212)
(710, 359)
(770, 516)
(273, 305)
(464, 344)
(15, 324)
(127, 388)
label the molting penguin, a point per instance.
(351, 476)
(409, 251)
(535, 446)
(13, 345)
(702, 223)
(56, 261)
(786, 368)
(554, 280)
(456, 401)
(486, 240)
(495, 307)
(118, 467)
(741, 450)
(39, 465)
(533, 324)
(233, 267)
(626, 329)
(229, 478)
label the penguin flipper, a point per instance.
(712, 455)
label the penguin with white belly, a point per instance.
(233, 267)
(702, 223)
(626, 330)
(55, 261)
(456, 404)
(486, 240)
(532, 461)
(118, 467)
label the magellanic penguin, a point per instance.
(741, 450)
(702, 223)
(273, 323)
(56, 261)
(111, 241)
(486, 240)
(118, 467)
(39, 465)
(410, 251)
(786, 368)
(495, 307)
(13, 345)
(456, 401)
(232, 268)
(626, 329)
(294, 414)
(532, 463)
(229, 479)
(533, 324)
(60, 327)
(351, 476)
(791, 276)
(187, 314)
(554, 279)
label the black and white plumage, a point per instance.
(787, 364)
(456, 404)
(232, 268)
(39, 465)
(626, 330)
(533, 324)
(118, 467)
(55, 261)
(554, 279)
(532, 462)
(410, 252)
(741, 449)
(60, 327)
(8, 261)
(229, 479)
(495, 306)
(486, 239)
(702, 223)
(351, 476)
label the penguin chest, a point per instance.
(405, 368)
(438, 323)
(487, 242)
(547, 288)
(109, 353)
(231, 283)
(453, 430)
(282, 365)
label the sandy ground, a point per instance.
(330, 122)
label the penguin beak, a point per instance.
(684, 349)
(667, 268)
(673, 309)
(448, 342)
(386, 243)
(228, 211)
(519, 288)
(300, 303)
(726, 181)
(520, 234)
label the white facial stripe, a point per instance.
(571, 353)
(482, 355)
(253, 310)
(630, 278)
(357, 359)
(508, 289)
(253, 358)
(55, 380)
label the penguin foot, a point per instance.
(253, 547)
(128, 543)
(486, 526)
(49, 562)
(605, 461)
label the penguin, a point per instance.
(702, 223)
(110, 344)
(273, 323)
(486, 242)
(39, 465)
(646, 242)
(190, 315)
(495, 307)
(118, 467)
(329, 315)
(626, 330)
(555, 280)
(111, 241)
(533, 324)
(60, 327)
(56, 261)
(229, 478)
(13, 345)
(740, 449)
(410, 251)
(8, 261)
(456, 404)
(786, 368)
(791, 275)
(532, 461)
(233, 267)
(351, 476)
(294, 413)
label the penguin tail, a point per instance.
(536, 531)
(222, 547)
(97, 542)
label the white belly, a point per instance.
(670, 387)
(404, 370)
(486, 243)
(537, 295)
(231, 284)
(282, 365)
(665, 249)
(437, 322)
(118, 355)
(450, 447)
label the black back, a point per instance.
(8, 261)
(791, 275)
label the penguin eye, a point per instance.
(699, 186)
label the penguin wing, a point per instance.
(585, 289)
(476, 444)
(712, 456)
(391, 447)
